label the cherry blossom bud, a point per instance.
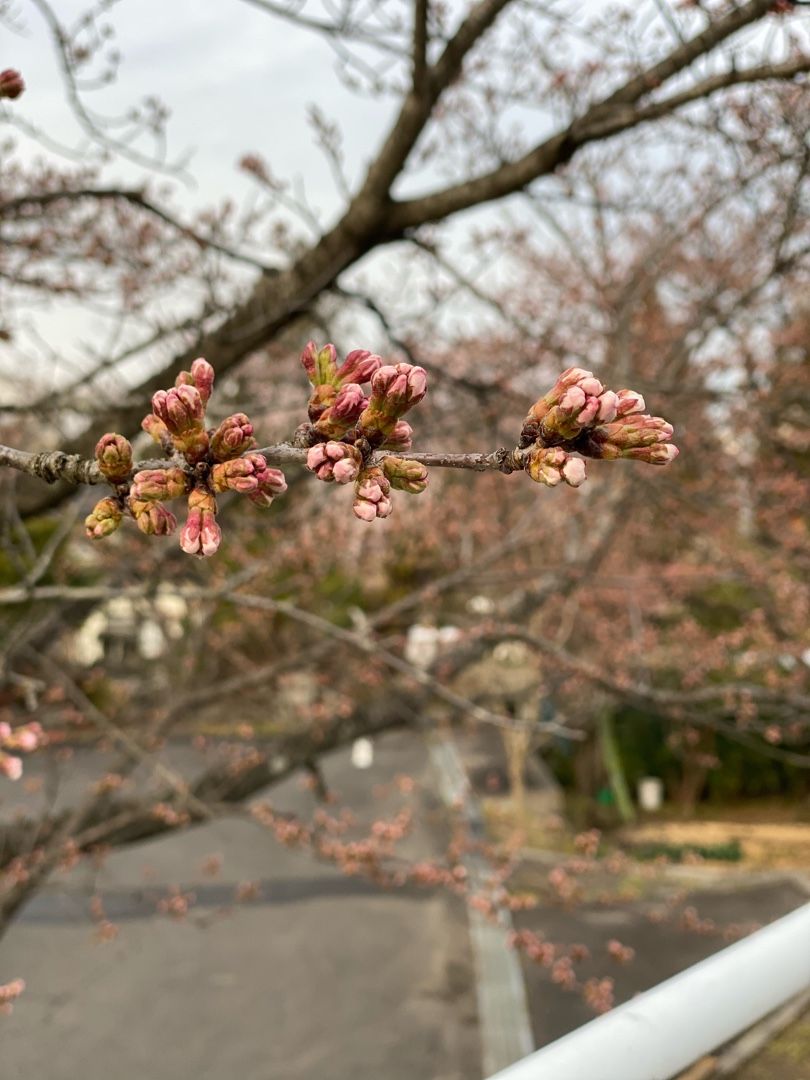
(114, 457)
(11, 83)
(343, 413)
(572, 404)
(358, 367)
(201, 535)
(629, 402)
(104, 519)
(271, 483)
(240, 474)
(11, 766)
(573, 471)
(402, 385)
(155, 427)
(608, 406)
(406, 475)
(203, 375)
(319, 364)
(320, 401)
(395, 389)
(400, 438)
(632, 431)
(335, 461)
(152, 518)
(659, 454)
(181, 409)
(552, 465)
(158, 484)
(371, 495)
(233, 437)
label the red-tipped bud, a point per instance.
(103, 520)
(233, 437)
(11, 83)
(152, 518)
(358, 367)
(158, 484)
(271, 482)
(319, 364)
(335, 461)
(406, 475)
(343, 413)
(395, 389)
(401, 385)
(201, 535)
(203, 375)
(114, 457)
(180, 409)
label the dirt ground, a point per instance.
(765, 845)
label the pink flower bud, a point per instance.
(233, 437)
(238, 475)
(158, 484)
(271, 483)
(104, 519)
(11, 766)
(366, 511)
(343, 413)
(608, 406)
(358, 367)
(406, 475)
(400, 438)
(658, 454)
(201, 535)
(11, 83)
(335, 461)
(152, 518)
(629, 402)
(573, 471)
(181, 409)
(319, 364)
(203, 375)
(346, 470)
(371, 495)
(114, 457)
(402, 385)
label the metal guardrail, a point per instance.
(660, 1033)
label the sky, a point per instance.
(235, 79)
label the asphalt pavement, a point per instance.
(317, 975)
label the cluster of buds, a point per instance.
(11, 83)
(203, 464)
(371, 495)
(346, 426)
(23, 739)
(579, 415)
(335, 461)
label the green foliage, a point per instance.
(731, 851)
(723, 605)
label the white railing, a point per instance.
(660, 1033)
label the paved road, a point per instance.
(322, 977)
